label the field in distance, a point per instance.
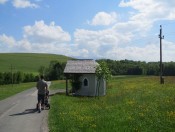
(28, 62)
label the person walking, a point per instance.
(42, 88)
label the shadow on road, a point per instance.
(27, 111)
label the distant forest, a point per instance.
(130, 67)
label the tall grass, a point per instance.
(131, 104)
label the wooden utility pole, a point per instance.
(161, 66)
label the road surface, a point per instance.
(18, 113)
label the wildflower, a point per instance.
(130, 118)
(130, 102)
(141, 114)
(171, 114)
(93, 125)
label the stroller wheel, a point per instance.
(48, 105)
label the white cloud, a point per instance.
(114, 42)
(149, 52)
(41, 38)
(103, 18)
(151, 10)
(145, 53)
(3, 1)
(92, 40)
(145, 15)
(6, 40)
(24, 45)
(42, 33)
(21, 3)
(112, 45)
(9, 44)
(24, 4)
(168, 51)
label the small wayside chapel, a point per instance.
(85, 80)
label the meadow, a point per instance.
(132, 103)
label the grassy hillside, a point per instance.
(27, 62)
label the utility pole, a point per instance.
(161, 66)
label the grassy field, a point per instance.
(131, 104)
(58, 84)
(27, 62)
(9, 90)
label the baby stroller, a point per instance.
(46, 102)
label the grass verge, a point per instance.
(9, 90)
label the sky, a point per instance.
(89, 29)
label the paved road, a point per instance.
(18, 113)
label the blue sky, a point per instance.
(91, 29)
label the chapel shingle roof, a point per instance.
(80, 66)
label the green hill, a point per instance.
(27, 62)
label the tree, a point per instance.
(169, 69)
(55, 70)
(136, 70)
(7, 78)
(102, 72)
(19, 77)
(1, 78)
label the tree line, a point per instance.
(117, 67)
(130, 67)
(53, 72)
(16, 77)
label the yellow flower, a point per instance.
(130, 102)
(171, 114)
(93, 125)
(141, 114)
